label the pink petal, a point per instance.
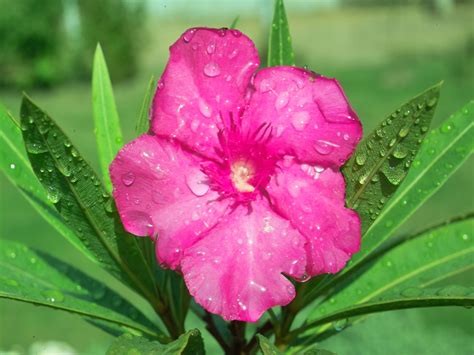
(160, 190)
(312, 198)
(204, 82)
(310, 115)
(236, 270)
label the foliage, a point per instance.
(32, 38)
(392, 173)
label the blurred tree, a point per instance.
(117, 25)
(31, 35)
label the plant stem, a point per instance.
(211, 327)
(238, 338)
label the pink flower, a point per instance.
(239, 176)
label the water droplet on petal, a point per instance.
(195, 125)
(205, 109)
(128, 178)
(282, 100)
(299, 120)
(211, 48)
(188, 36)
(233, 54)
(197, 183)
(266, 85)
(212, 69)
(141, 222)
(324, 147)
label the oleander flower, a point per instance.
(238, 179)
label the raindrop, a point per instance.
(446, 127)
(35, 148)
(340, 325)
(324, 147)
(282, 100)
(233, 54)
(197, 183)
(205, 109)
(291, 290)
(211, 48)
(360, 158)
(266, 85)
(300, 119)
(212, 69)
(195, 125)
(431, 102)
(141, 221)
(53, 295)
(404, 131)
(53, 194)
(400, 152)
(128, 178)
(188, 36)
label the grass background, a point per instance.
(382, 57)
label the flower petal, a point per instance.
(312, 198)
(310, 115)
(204, 82)
(160, 190)
(236, 270)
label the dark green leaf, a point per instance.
(35, 277)
(143, 122)
(189, 343)
(233, 25)
(382, 159)
(81, 200)
(408, 268)
(441, 154)
(107, 123)
(280, 51)
(266, 346)
(14, 163)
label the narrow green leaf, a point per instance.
(436, 297)
(266, 346)
(79, 197)
(143, 122)
(190, 343)
(35, 277)
(382, 159)
(441, 154)
(233, 25)
(107, 123)
(280, 51)
(408, 268)
(15, 165)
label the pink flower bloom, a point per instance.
(239, 176)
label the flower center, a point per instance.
(241, 173)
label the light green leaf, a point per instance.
(107, 123)
(233, 25)
(79, 197)
(407, 268)
(280, 51)
(15, 165)
(382, 159)
(441, 154)
(35, 277)
(433, 297)
(190, 343)
(266, 346)
(143, 122)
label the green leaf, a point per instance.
(441, 154)
(382, 159)
(190, 343)
(266, 346)
(35, 277)
(81, 200)
(436, 297)
(233, 25)
(280, 51)
(107, 123)
(143, 122)
(407, 268)
(15, 165)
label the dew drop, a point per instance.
(53, 194)
(53, 296)
(340, 325)
(205, 109)
(128, 178)
(446, 127)
(282, 100)
(404, 131)
(266, 85)
(212, 69)
(188, 36)
(324, 147)
(211, 48)
(431, 102)
(195, 125)
(197, 183)
(141, 222)
(300, 120)
(360, 158)
(291, 290)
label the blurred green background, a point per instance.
(382, 52)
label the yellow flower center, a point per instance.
(241, 173)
